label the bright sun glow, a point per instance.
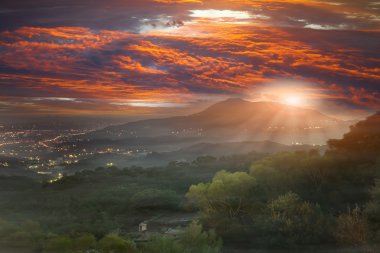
(220, 14)
(293, 100)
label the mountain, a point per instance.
(237, 120)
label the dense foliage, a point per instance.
(285, 200)
(301, 198)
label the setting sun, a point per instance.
(293, 100)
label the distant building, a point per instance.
(143, 226)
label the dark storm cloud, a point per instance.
(128, 14)
(113, 14)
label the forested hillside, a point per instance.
(284, 201)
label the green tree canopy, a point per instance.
(113, 243)
(297, 221)
(196, 240)
(84, 242)
(228, 194)
(59, 244)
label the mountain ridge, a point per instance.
(238, 120)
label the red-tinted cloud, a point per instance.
(199, 58)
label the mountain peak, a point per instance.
(236, 119)
(237, 109)
(231, 102)
(234, 100)
(239, 105)
(239, 101)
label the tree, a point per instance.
(352, 229)
(163, 244)
(332, 180)
(193, 240)
(115, 244)
(229, 195)
(27, 234)
(227, 203)
(298, 222)
(196, 240)
(372, 212)
(84, 242)
(59, 244)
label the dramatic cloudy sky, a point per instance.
(150, 57)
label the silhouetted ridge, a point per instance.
(362, 140)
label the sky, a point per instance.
(165, 57)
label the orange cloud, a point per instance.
(195, 59)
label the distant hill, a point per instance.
(233, 148)
(237, 120)
(227, 149)
(189, 154)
